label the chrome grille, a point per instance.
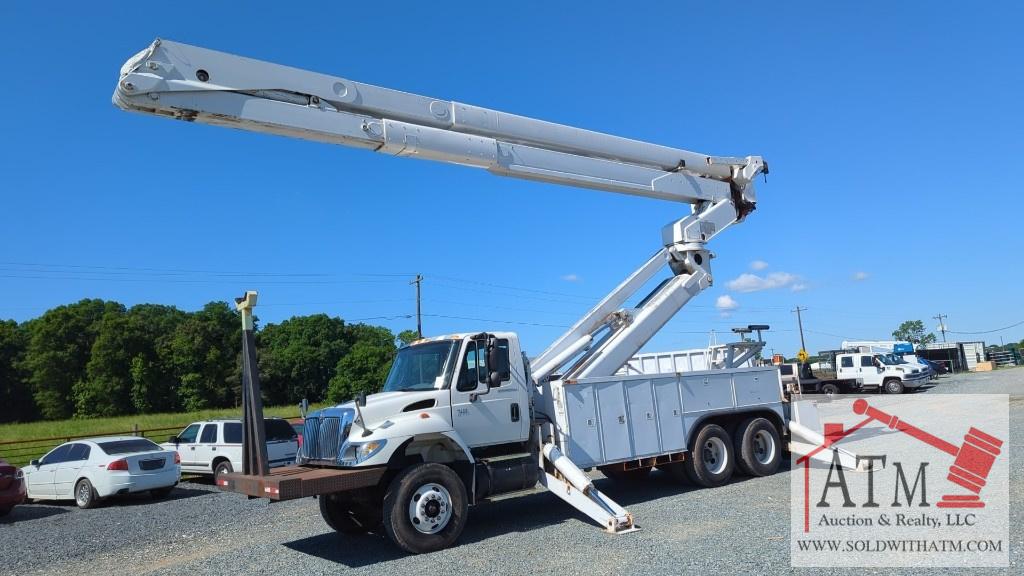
(322, 436)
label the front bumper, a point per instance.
(292, 482)
(127, 483)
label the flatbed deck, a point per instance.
(291, 482)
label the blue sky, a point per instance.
(893, 132)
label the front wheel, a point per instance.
(893, 386)
(425, 508)
(346, 515)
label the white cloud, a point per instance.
(571, 278)
(726, 303)
(755, 283)
(860, 276)
(798, 287)
(758, 265)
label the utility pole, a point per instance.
(942, 325)
(419, 317)
(800, 323)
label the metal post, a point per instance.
(800, 323)
(942, 325)
(419, 317)
(254, 436)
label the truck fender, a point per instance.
(458, 440)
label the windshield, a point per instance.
(421, 367)
(887, 359)
(895, 359)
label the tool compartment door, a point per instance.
(643, 418)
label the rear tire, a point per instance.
(425, 508)
(758, 447)
(620, 476)
(85, 495)
(221, 468)
(347, 516)
(711, 460)
(893, 386)
(830, 389)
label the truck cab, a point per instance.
(444, 397)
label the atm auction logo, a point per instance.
(915, 480)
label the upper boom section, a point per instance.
(196, 84)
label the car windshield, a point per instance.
(887, 359)
(127, 446)
(421, 367)
(894, 359)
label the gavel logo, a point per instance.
(973, 460)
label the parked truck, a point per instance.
(849, 371)
(468, 418)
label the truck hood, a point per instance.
(384, 405)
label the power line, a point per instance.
(988, 331)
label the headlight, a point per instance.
(361, 451)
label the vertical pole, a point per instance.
(419, 317)
(800, 323)
(254, 436)
(942, 325)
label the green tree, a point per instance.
(205, 353)
(129, 368)
(913, 331)
(366, 365)
(60, 342)
(16, 403)
(406, 337)
(298, 357)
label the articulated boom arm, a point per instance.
(196, 84)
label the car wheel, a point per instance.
(758, 447)
(711, 460)
(161, 492)
(223, 467)
(425, 508)
(830, 389)
(893, 386)
(85, 495)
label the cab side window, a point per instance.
(847, 362)
(867, 362)
(188, 435)
(209, 435)
(473, 370)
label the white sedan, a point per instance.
(89, 470)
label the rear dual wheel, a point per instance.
(758, 447)
(710, 462)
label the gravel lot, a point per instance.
(740, 528)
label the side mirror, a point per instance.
(493, 379)
(174, 440)
(34, 463)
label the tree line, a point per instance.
(100, 358)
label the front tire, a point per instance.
(425, 508)
(712, 460)
(893, 386)
(758, 447)
(85, 494)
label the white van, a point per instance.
(215, 446)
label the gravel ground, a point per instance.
(739, 528)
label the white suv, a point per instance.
(215, 446)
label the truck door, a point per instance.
(492, 418)
(205, 447)
(869, 371)
(187, 449)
